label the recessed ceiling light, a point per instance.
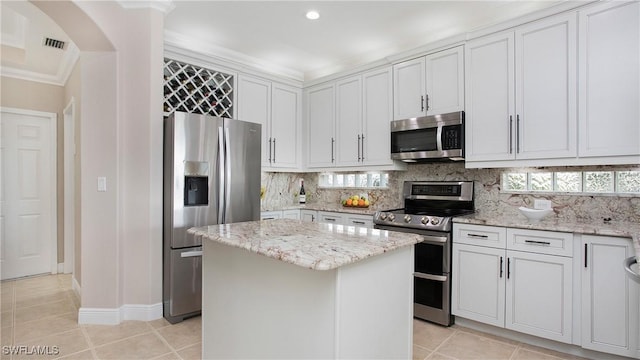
(313, 15)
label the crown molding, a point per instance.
(228, 58)
(164, 6)
(71, 56)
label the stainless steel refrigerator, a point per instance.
(211, 176)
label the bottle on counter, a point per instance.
(302, 197)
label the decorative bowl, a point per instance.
(534, 215)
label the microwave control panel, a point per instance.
(452, 137)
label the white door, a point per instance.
(409, 89)
(27, 215)
(254, 105)
(377, 112)
(320, 115)
(285, 113)
(349, 121)
(445, 81)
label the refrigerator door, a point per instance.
(185, 284)
(242, 171)
(192, 181)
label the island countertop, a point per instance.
(310, 245)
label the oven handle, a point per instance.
(434, 239)
(440, 278)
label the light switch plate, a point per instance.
(102, 184)
(542, 204)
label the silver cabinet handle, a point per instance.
(358, 147)
(427, 101)
(627, 267)
(269, 149)
(478, 236)
(357, 222)
(421, 103)
(518, 134)
(332, 143)
(330, 219)
(362, 151)
(187, 254)
(535, 242)
(274, 149)
(510, 134)
(268, 218)
(440, 278)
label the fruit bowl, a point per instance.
(534, 215)
(356, 201)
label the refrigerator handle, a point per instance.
(227, 172)
(221, 179)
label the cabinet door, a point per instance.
(320, 117)
(330, 217)
(377, 112)
(610, 79)
(445, 81)
(254, 104)
(285, 114)
(478, 285)
(489, 98)
(539, 295)
(349, 121)
(609, 297)
(359, 220)
(291, 214)
(270, 215)
(546, 89)
(308, 215)
(409, 89)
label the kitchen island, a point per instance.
(290, 289)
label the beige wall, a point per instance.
(30, 95)
(72, 91)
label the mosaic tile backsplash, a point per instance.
(281, 191)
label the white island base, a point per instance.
(254, 306)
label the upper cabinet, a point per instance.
(430, 85)
(349, 121)
(610, 80)
(521, 93)
(277, 107)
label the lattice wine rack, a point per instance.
(197, 90)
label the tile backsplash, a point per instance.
(281, 190)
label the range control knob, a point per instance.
(424, 220)
(407, 218)
(435, 221)
(383, 216)
(391, 217)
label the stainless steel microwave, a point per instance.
(429, 138)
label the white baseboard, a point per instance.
(106, 316)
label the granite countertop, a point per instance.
(612, 228)
(310, 245)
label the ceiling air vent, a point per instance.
(54, 43)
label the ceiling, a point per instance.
(273, 34)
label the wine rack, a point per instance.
(193, 89)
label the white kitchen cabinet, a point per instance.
(291, 214)
(321, 124)
(429, 85)
(609, 94)
(363, 117)
(527, 290)
(277, 107)
(521, 93)
(359, 220)
(609, 297)
(308, 215)
(331, 217)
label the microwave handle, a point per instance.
(439, 138)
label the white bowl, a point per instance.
(534, 215)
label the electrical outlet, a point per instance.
(542, 204)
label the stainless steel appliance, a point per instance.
(428, 210)
(429, 138)
(211, 176)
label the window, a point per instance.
(577, 182)
(353, 180)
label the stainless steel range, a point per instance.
(429, 208)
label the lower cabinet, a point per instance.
(610, 306)
(270, 215)
(345, 219)
(526, 291)
(308, 215)
(291, 214)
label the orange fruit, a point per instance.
(349, 202)
(361, 202)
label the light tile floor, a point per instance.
(43, 311)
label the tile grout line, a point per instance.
(92, 348)
(155, 331)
